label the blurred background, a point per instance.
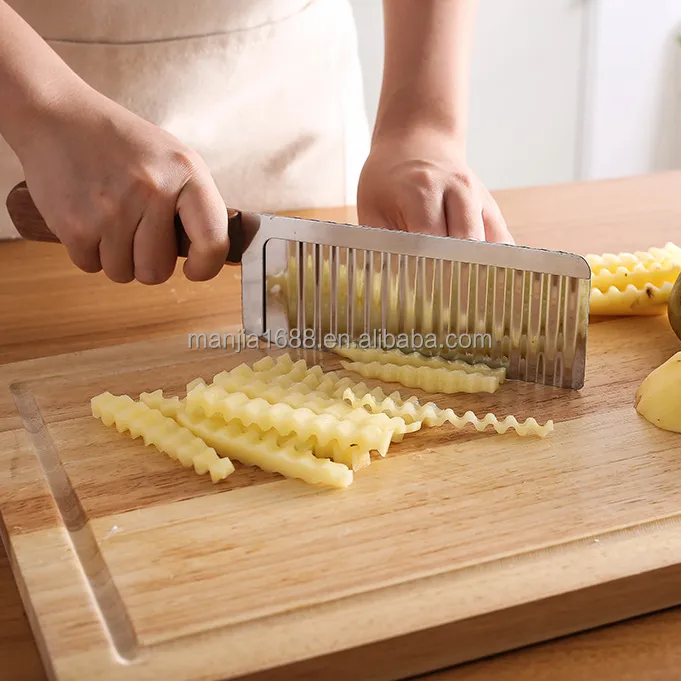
(562, 90)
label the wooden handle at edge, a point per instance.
(32, 227)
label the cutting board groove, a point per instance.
(83, 542)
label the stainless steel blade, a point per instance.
(310, 284)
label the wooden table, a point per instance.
(48, 307)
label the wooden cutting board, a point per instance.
(455, 546)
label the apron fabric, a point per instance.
(268, 92)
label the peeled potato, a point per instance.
(658, 398)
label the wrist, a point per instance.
(34, 111)
(409, 114)
(421, 135)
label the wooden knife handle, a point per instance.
(31, 225)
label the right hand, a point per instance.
(109, 185)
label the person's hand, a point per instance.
(109, 185)
(420, 182)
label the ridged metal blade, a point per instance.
(524, 309)
(530, 322)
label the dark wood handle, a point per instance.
(31, 225)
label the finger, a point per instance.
(116, 253)
(86, 259)
(464, 214)
(424, 212)
(378, 220)
(204, 216)
(370, 211)
(155, 245)
(83, 249)
(496, 228)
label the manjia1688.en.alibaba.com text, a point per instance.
(306, 339)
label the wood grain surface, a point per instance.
(573, 217)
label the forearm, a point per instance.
(426, 66)
(33, 79)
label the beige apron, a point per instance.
(269, 92)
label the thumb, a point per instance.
(204, 216)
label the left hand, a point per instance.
(420, 182)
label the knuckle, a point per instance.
(76, 233)
(161, 180)
(100, 202)
(424, 180)
(465, 181)
(107, 211)
(147, 181)
(90, 220)
(149, 184)
(188, 160)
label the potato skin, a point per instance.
(674, 308)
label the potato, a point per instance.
(658, 398)
(674, 307)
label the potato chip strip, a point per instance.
(668, 256)
(650, 300)
(393, 405)
(354, 457)
(633, 283)
(322, 389)
(193, 383)
(268, 451)
(250, 446)
(657, 276)
(303, 422)
(282, 364)
(139, 420)
(266, 363)
(425, 378)
(312, 378)
(433, 416)
(284, 390)
(168, 406)
(399, 358)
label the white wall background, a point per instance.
(635, 116)
(563, 90)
